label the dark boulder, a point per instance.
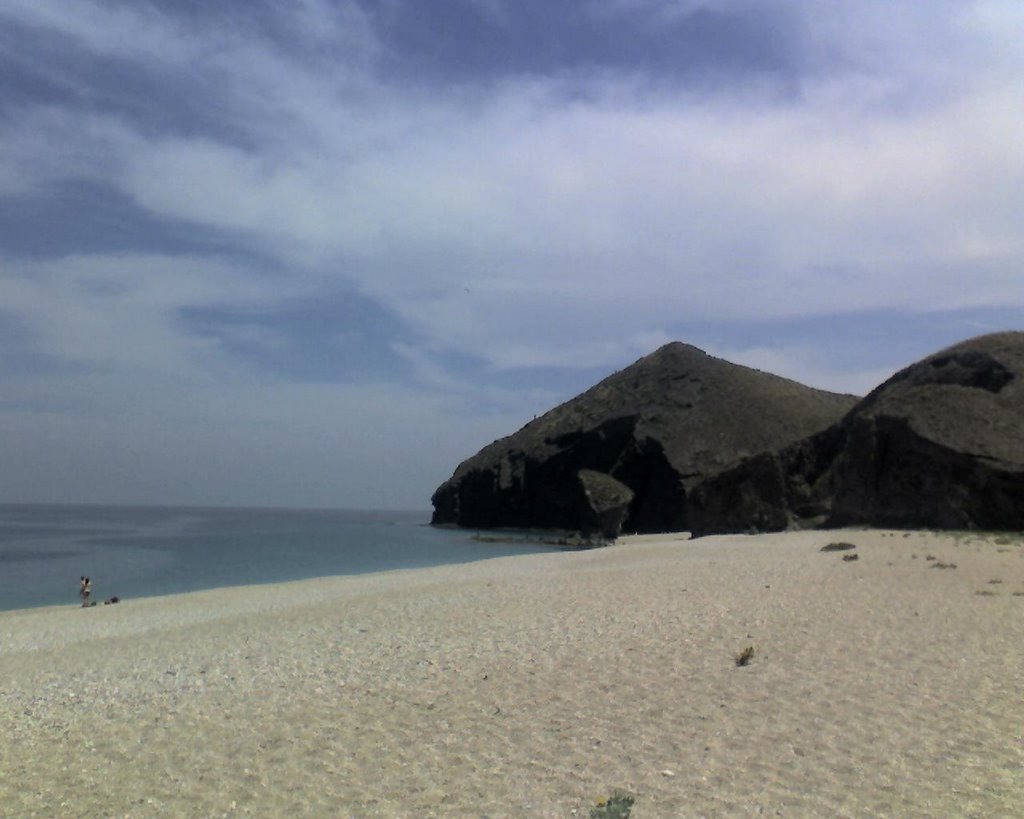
(657, 427)
(604, 504)
(938, 445)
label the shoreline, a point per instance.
(538, 684)
(355, 569)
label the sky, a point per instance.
(315, 253)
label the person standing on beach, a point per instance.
(86, 591)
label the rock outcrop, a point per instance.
(657, 428)
(938, 445)
(604, 504)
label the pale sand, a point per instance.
(533, 686)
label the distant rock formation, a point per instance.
(657, 428)
(938, 445)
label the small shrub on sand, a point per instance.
(838, 547)
(617, 806)
(849, 558)
(940, 565)
(745, 656)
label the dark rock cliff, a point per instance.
(657, 427)
(940, 444)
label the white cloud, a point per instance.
(46, 146)
(121, 311)
(537, 222)
(697, 203)
(137, 31)
(806, 365)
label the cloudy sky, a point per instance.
(314, 253)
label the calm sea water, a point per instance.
(141, 551)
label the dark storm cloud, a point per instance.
(79, 216)
(468, 42)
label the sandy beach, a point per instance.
(889, 685)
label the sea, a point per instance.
(132, 552)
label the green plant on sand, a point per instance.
(617, 806)
(745, 656)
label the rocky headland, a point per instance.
(939, 445)
(624, 455)
(683, 441)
